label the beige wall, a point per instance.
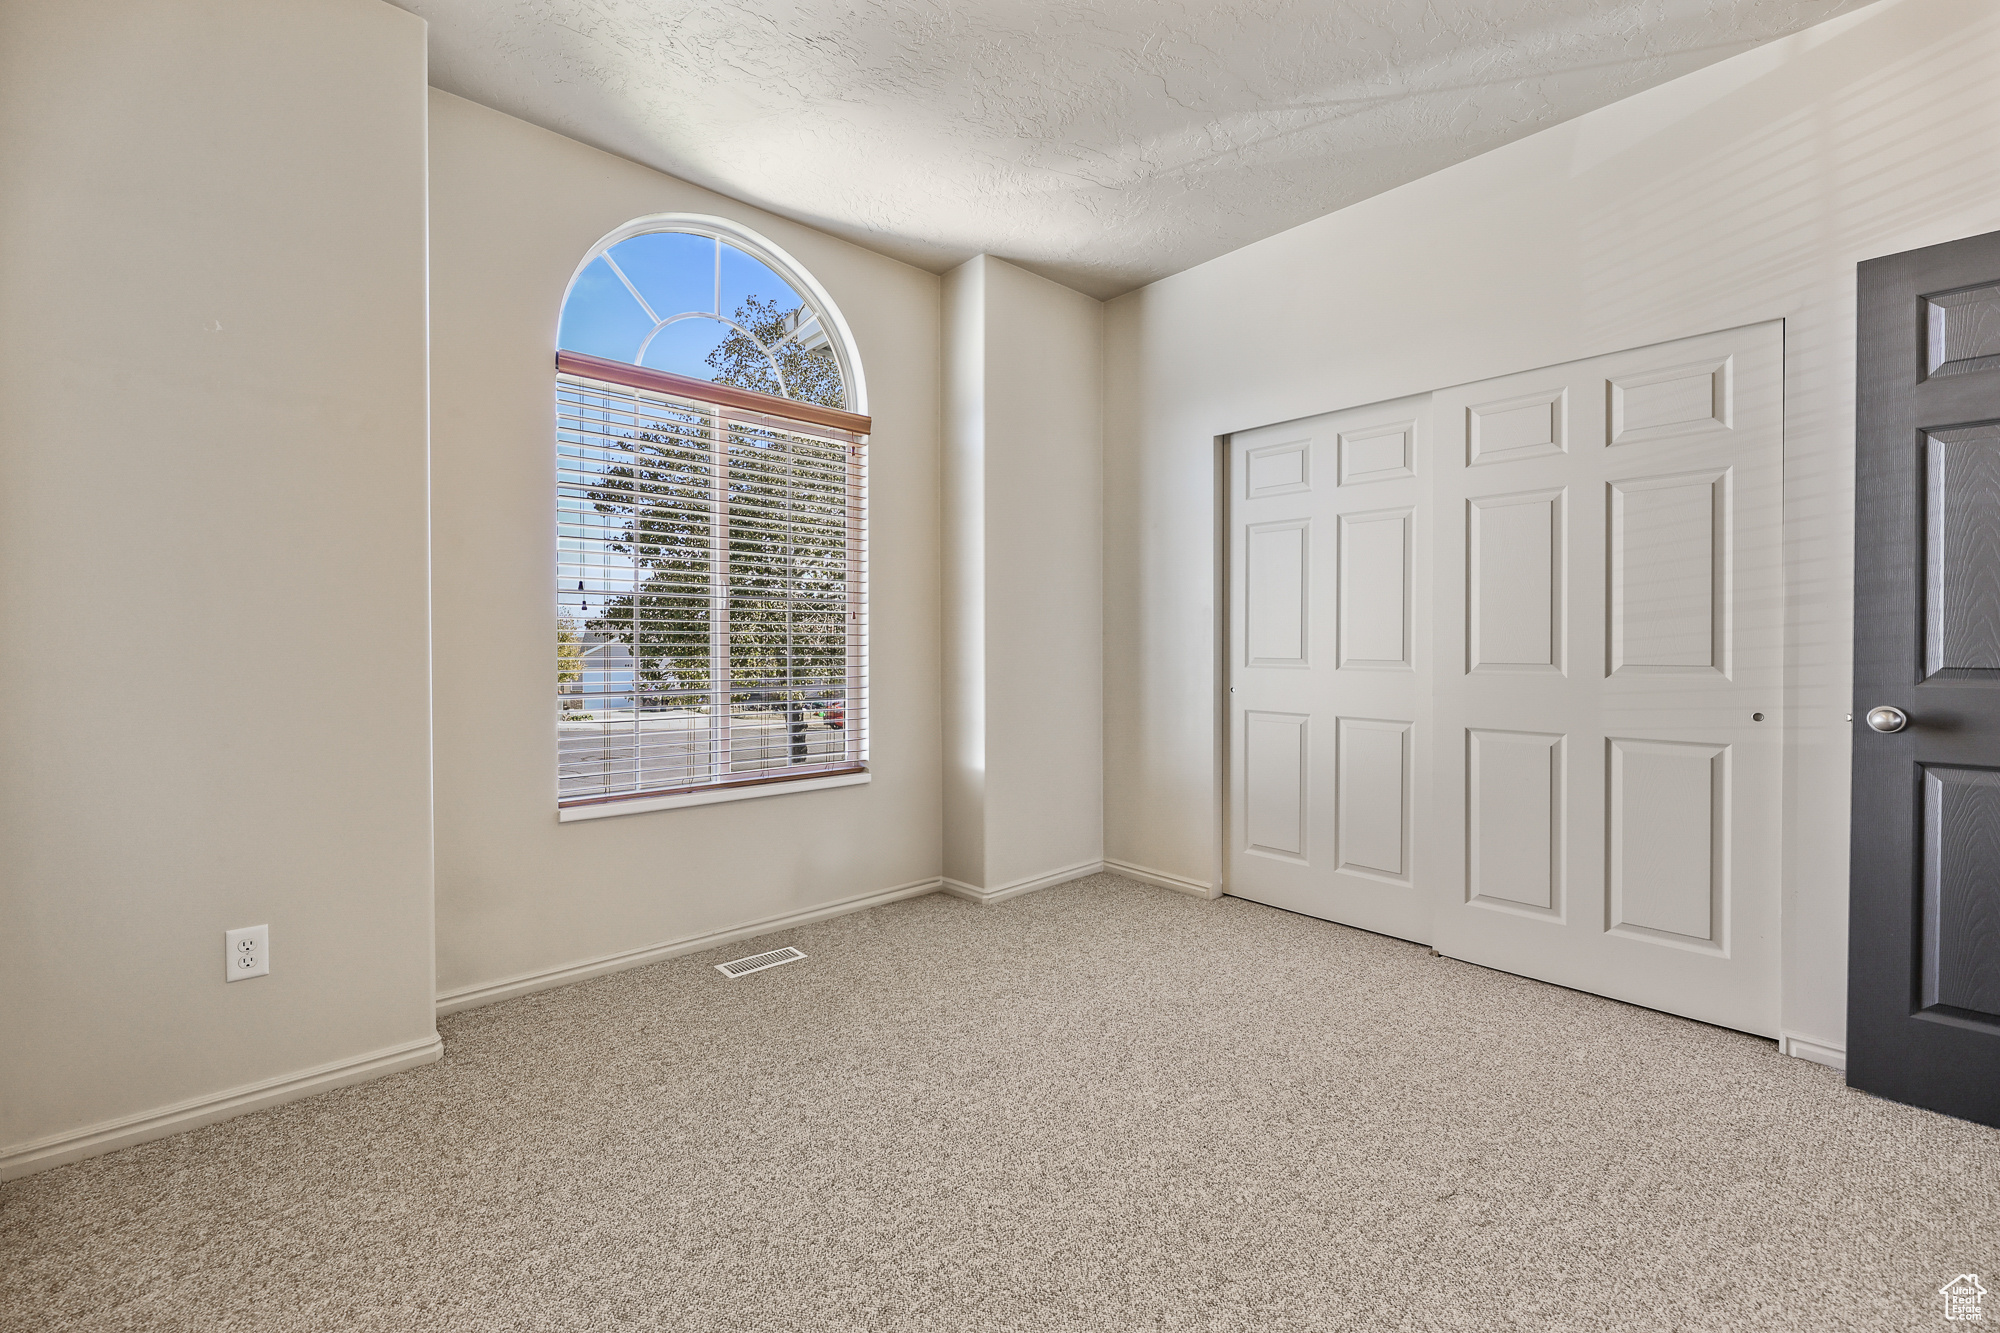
(1023, 517)
(963, 518)
(521, 897)
(212, 557)
(1744, 192)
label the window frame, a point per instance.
(852, 423)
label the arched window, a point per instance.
(711, 626)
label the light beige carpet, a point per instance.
(1100, 1107)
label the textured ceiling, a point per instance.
(1104, 143)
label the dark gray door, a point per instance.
(1923, 1008)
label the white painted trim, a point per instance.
(1819, 1052)
(974, 894)
(526, 983)
(74, 1145)
(642, 804)
(1161, 879)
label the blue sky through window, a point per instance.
(685, 280)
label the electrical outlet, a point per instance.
(249, 953)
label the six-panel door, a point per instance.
(1923, 1020)
(1328, 667)
(1609, 635)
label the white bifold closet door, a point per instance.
(1329, 631)
(1608, 699)
(1506, 672)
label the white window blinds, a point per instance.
(711, 586)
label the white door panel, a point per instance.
(1375, 589)
(1276, 753)
(1277, 563)
(1668, 805)
(1372, 797)
(1607, 640)
(1667, 561)
(1513, 819)
(1329, 631)
(1515, 582)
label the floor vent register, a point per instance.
(757, 962)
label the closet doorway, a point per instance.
(1506, 672)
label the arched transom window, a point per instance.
(700, 305)
(711, 571)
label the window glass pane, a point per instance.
(685, 345)
(673, 270)
(601, 318)
(746, 279)
(787, 597)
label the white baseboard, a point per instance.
(526, 983)
(74, 1145)
(974, 894)
(58, 1149)
(1160, 878)
(1819, 1052)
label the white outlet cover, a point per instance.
(248, 953)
